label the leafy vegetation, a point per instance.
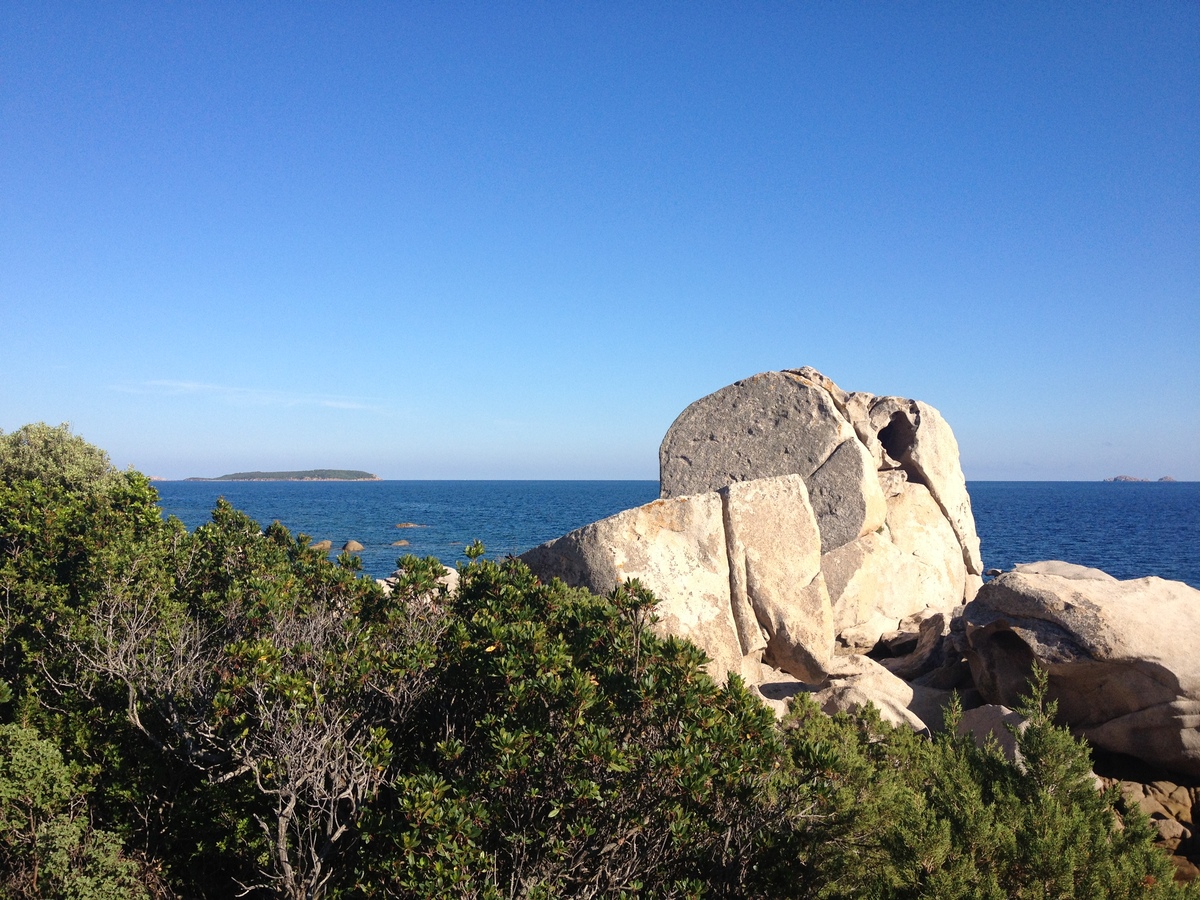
(228, 712)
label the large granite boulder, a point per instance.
(795, 518)
(776, 423)
(884, 483)
(674, 547)
(774, 551)
(737, 572)
(1121, 655)
(846, 496)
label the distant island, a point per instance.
(306, 475)
(1129, 478)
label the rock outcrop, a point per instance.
(858, 680)
(883, 478)
(795, 519)
(737, 572)
(1121, 655)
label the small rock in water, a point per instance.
(399, 543)
(409, 525)
(322, 545)
(352, 547)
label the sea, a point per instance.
(1127, 529)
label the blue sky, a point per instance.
(516, 240)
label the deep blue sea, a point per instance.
(1128, 530)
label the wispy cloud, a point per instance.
(242, 396)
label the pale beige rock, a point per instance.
(997, 723)
(322, 545)
(811, 376)
(971, 586)
(352, 547)
(917, 527)
(449, 578)
(863, 636)
(776, 423)
(892, 482)
(1063, 570)
(676, 548)
(928, 652)
(871, 580)
(915, 435)
(857, 410)
(776, 689)
(846, 496)
(1121, 656)
(858, 680)
(774, 551)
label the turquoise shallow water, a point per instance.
(1129, 530)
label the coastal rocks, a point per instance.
(677, 549)
(915, 435)
(352, 547)
(921, 653)
(736, 571)
(883, 480)
(1121, 656)
(858, 680)
(325, 546)
(873, 585)
(776, 423)
(795, 518)
(774, 550)
(854, 682)
(1173, 810)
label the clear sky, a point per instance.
(515, 240)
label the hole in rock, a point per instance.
(898, 436)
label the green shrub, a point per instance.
(905, 817)
(48, 848)
(570, 751)
(245, 716)
(52, 456)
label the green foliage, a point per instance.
(570, 751)
(48, 848)
(268, 668)
(233, 710)
(905, 817)
(52, 456)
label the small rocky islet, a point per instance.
(303, 475)
(1132, 479)
(816, 540)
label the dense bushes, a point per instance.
(228, 712)
(580, 753)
